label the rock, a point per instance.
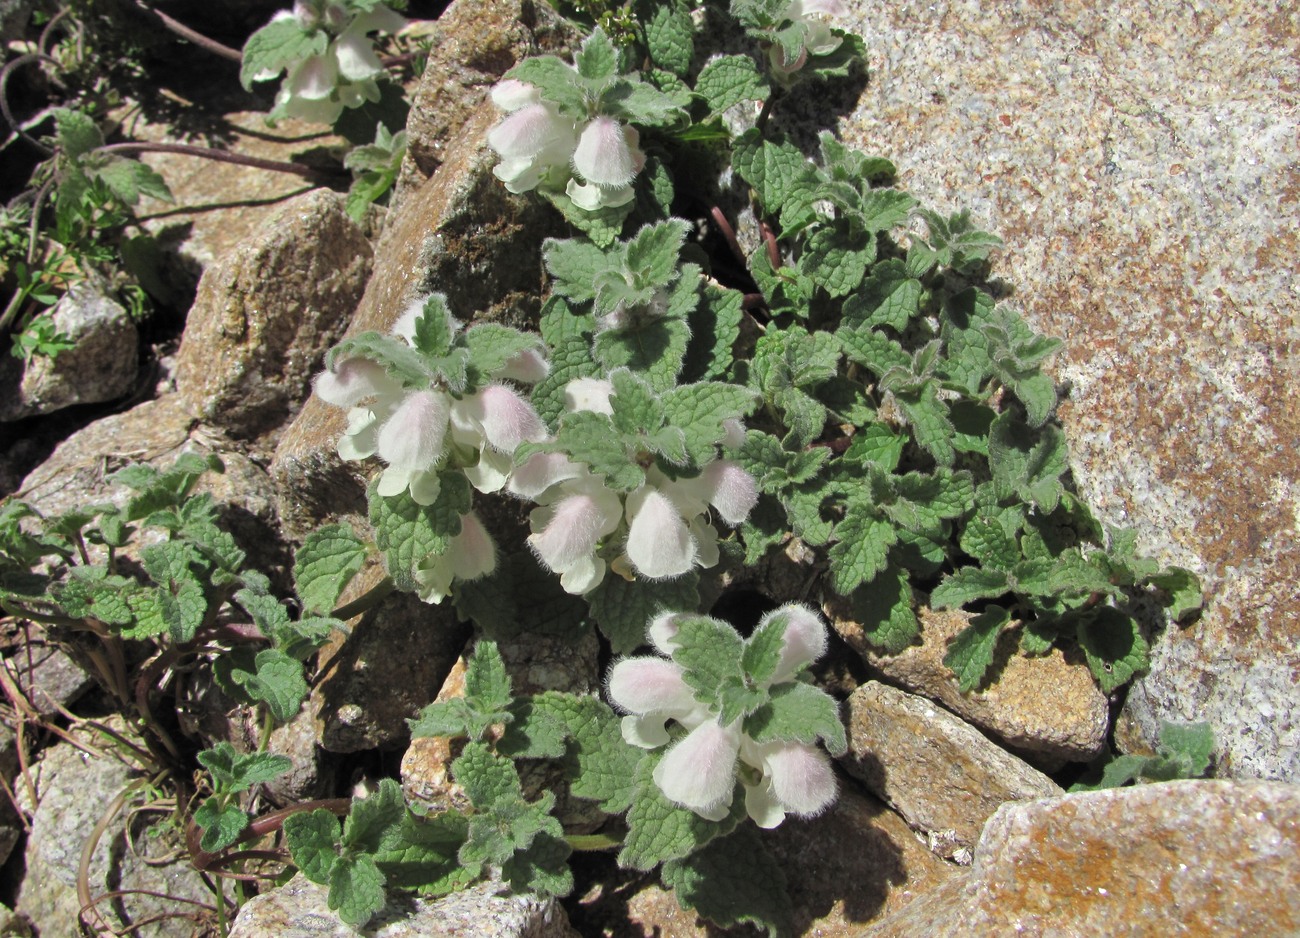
(845, 869)
(76, 790)
(266, 313)
(460, 233)
(299, 909)
(1048, 708)
(101, 365)
(49, 679)
(371, 681)
(156, 432)
(472, 45)
(1139, 160)
(11, 827)
(941, 774)
(1203, 857)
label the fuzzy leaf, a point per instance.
(861, 551)
(800, 713)
(327, 561)
(556, 80)
(542, 868)
(971, 652)
(76, 133)
(312, 838)
(715, 327)
(278, 45)
(356, 889)
(1027, 464)
(421, 853)
(597, 59)
(600, 764)
(274, 679)
(389, 352)
(732, 881)
(576, 266)
(884, 609)
(129, 179)
(728, 80)
(1190, 746)
(372, 817)
(709, 651)
(968, 584)
(221, 825)
(1182, 588)
(670, 38)
(655, 348)
(888, 297)
(520, 597)
(837, 258)
(488, 779)
(642, 103)
(407, 532)
(771, 166)
(699, 411)
(1114, 647)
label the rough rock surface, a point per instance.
(939, 772)
(1185, 858)
(846, 869)
(74, 790)
(460, 233)
(1049, 708)
(299, 910)
(472, 45)
(1139, 159)
(267, 312)
(47, 677)
(101, 366)
(389, 667)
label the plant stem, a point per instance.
(4, 96)
(221, 156)
(593, 841)
(197, 38)
(366, 600)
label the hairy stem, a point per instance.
(185, 32)
(372, 597)
(221, 156)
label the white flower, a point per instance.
(659, 543)
(568, 531)
(699, 771)
(353, 380)
(591, 394)
(608, 158)
(469, 555)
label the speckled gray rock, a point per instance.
(1181, 858)
(101, 365)
(266, 313)
(75, 790)
(1139, 157)
(299, 910)
(47, 676)
(940, 773)
(1048, 708)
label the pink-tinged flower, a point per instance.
(503, 418)
(526, 367)
(533, 142)
(730, 489)
(699, 771)
(659, 543)
(591, 394)
(662, 632)
(735, 433)
(797, 777)
(608, 157)
(473, 553)
(541, 471)
(803, 643)
(355, 50)
(568, 532)
(352, 381)
(653, 692)
(412, 438)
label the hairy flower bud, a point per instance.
(412, 438)
(732, 490)
(659, 543)
(352, 381)
(804, 641)
(699, 772)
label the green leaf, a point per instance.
(129, 179)
(652, 253)
(1116, 772)
(654, 348)
(421, 853)
(1027, 464)
(715, 327)
(602, 226)
(389, 352)
(221, 824)
(709, 651)
(622, 608)
(323, 566)
(536, 728)
(520, 597)
(641, 103)
(928, 417)
(276, 46)
(557, 82)
(542, 868)
(991, 540)
(728, 80)
(885, 611)
(1187, 748)
(597, 59)
(577, 265)
(877, 351)
(356, 888)
(733, 881)
(670, 38)
(888, 297)
(763, 649)
(487, 685)
(407, 533)
(275, 680)
(313, 838)
(1113, 645)
(487, 778)
(862, 549)
(700, 410)
(435, 328)
(658, 830)
(800, 713)
(971, 652)
(371, 818)
(967, 584)
(837, 258)
(234, 771)
(771, 166)
(1182, 588)
(76, 133)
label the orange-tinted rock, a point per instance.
(1186, 858)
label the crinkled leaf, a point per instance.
(837, 258)
(389, 352)
(709, 651)
(967, 584)
(488, 779)
(1182, 588)
(576, 265)
(356, 888)
(772, 166)
(670, 38)
(542, 868)
(729, 80)
(520, 597)
(597, 59)
(715, 327)
(1113, 645)
(733, 881)
(221, 824)
(885, 611)
(1189, 747)
(861, 550)
(700, 410)
(556, 80)
(313, 838)
(799, 713)
(130, 179)
(658, 830)
(323, 566)
(372, 817)
(278, 45)
(1026, 463)
(971, 652)
(408, 532)
(76, 133)
(654, 348)
(421, 853)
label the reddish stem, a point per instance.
(221, 156)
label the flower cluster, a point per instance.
(593, 160)
(319, 87)
(665, 521)
(423, 428)
(700, 769)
